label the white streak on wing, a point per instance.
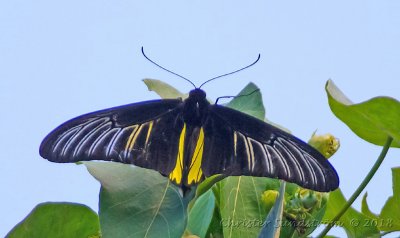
(247, 150)
(69, 141)
(278, 143)
(61, 139)
(67, 132)
(318, 168)
(268, 161)
(89, 134)
(112, 142)
(283, 143)
(76, 135)
(281, 160)
(260, 145)
(306, 161)
(99, 138)
(251, 150)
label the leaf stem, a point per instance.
(360, 188)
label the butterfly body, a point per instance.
(188, 140)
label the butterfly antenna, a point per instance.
(223, 75)
(169, 71)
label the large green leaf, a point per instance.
(356, 224)
(365, 208)
(215, 228)
(249, 101)
(389, 219)
(58, 220)
(137, 202)
(164, 90)
(201, 214)
(373, 120)
(242, 214)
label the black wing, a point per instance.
(238, 144)
(145, 134)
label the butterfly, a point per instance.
(189, 140)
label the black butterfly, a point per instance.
(188, 140)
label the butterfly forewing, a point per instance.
(144, 134)
(243, 145)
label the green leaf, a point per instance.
(242, 214)
(373, 120)
(137, 202)
(201, 214)
(365, 208)
(356, 224)
(215, 228)
(58, 220)
(164, 90)
(249, 101)
(273, 224)
(389, 219)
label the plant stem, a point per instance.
(360, 188)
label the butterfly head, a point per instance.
(195, 107)
(197, 94)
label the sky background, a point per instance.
(61, 59)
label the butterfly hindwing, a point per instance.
(238, 144)
(145, 134)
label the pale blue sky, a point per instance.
(60, 59)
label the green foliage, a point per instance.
(355, 223)
(373, 120)
(389, 219)
(58, 220)
(240, 206)
(377, 121)
(200, 215)
(164, 90)
(249, 101)
(152, 207)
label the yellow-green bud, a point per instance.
(326, 144)
(268, 199)
(308, 198)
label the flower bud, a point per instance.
(326, 144)
(268, 199)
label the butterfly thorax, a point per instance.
(195, 108)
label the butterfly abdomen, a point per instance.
(188, 168)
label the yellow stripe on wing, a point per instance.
(235, 143)
(195, 171)
(176, 174)
(132, 137)
(149, 132)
